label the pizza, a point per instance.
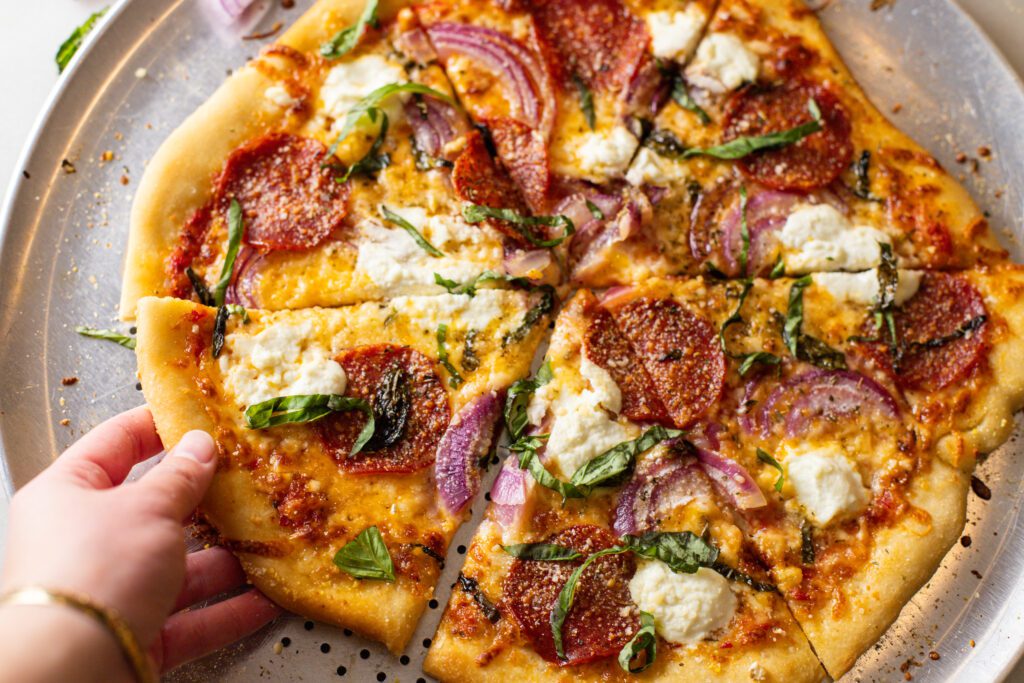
(782, 337)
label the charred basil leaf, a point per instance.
(392, 402)
(199, 287)
(644, 642)
(366, 557)
(745, 146)
(110, 335)
(455, 379)
(307, 408)
(665, 143)
(431, 553)
(533, 316)
(860, 169)
(518, 398)
(348, 37)
(736, 575)
(586, 101)
(471, 586)
(470, 361)
(807, 544)
(476, 213)
(803, 346)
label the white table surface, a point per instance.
(30, 33)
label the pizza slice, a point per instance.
(331, 185)
(349, 438)
(768, 139)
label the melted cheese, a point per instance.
(818, 237)
(827, 485)
(349, 82)
(649, 167)
(280, 96)
(600, 155)
(862, 288)
(687, 608)
(278, 361)
(722, 63)
(674, 35)
(489, 307)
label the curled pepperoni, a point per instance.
(603, 617)
(290, 200)
(679, 351)
(598, 41)
(605, 346)
(525, 155)
(813, 162)
(478, 179)
(418, 431)
(935, 325)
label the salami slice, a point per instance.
(290, 201)
(603, 617)
(605, 346)
(410, 405)
(943, 329)
(598, 41)
(679, 351)
(525, 155)
(813, 162)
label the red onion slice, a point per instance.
(592, 247)
(824, 394)
(468, 438)
(733, 478)
(415, 45)
(521, 263)
(657, 487)
(508, 494)
(232, 19)
(530, 91)
(766, 213)
(242, 289)
(434, 124)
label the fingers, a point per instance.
(178, 482)
(103, 457)
(191, 635)
(208, 573)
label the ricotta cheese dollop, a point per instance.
(278, 361)
(601, 155)
(818, 237)
(674, 35)
(349, 82)
(722, 63)
(828, 486)
(649, 167)
(862, 288)
(687, 608)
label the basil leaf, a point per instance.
(220, 324)
(526, 447)
(804, 346)
(972, 325)
(470, 286)
(366, 557)
(518, 399)
(595, 210)
(682, 97)
(586, 100)
(807, 544)
(532, 317)
(767, 459)
(644, 641)
(392, 217)
(547, 552)
(347, 38)
(860, 169)
(752, 359)
(744, 231)
(470, 361)
(778, 270)
(568, 594)
(110, 335)
(455, 380)
(374, 160)
(748, 360)
(369, 106)
(745, 146)
(888, 279)
(238, 309)
(665, 143)
(684, 552)
(235, 229)
(70, 46)
(392, 402)
(476, 213)
(618, 460)
(199, 287)
(472, 587)
(307, 408)
(736, 575)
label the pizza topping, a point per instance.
(827, 485)
(298, 408)
(472, 587)
(674, 35)
(605, 154)
(863, 288)
(680, 352)
(524, 154)
(435, 124)
(416, 235)
(348, 37)
(371, 370)
(595, 247)
(722, 64)
(290, 201)
(465, 443)
(602, 618)
(523, 224)
(687, 608)
(366, 557)
(518, 399)
(391, 406)
(813, 160)
(597, 41)
(243, 288)
(942, 333)
(508, 494)
(726, 473)
(658, 486)
(804, 346)
(762, 215)
(110, 335)
(818, 237)
(642, 648)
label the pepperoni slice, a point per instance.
(477, 178)
(813, 162)
(680, 352)
(943, 307)
(367, 368)
(525, 155)
(599, 41)
(603, 617)
(605, 346)
(290, 201)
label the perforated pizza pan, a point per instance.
(154, 61)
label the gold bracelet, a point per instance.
(111, 620)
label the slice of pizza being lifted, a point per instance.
(349, 439)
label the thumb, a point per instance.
(179, 481)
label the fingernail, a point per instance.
(196, 445)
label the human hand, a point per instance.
(77, 528)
